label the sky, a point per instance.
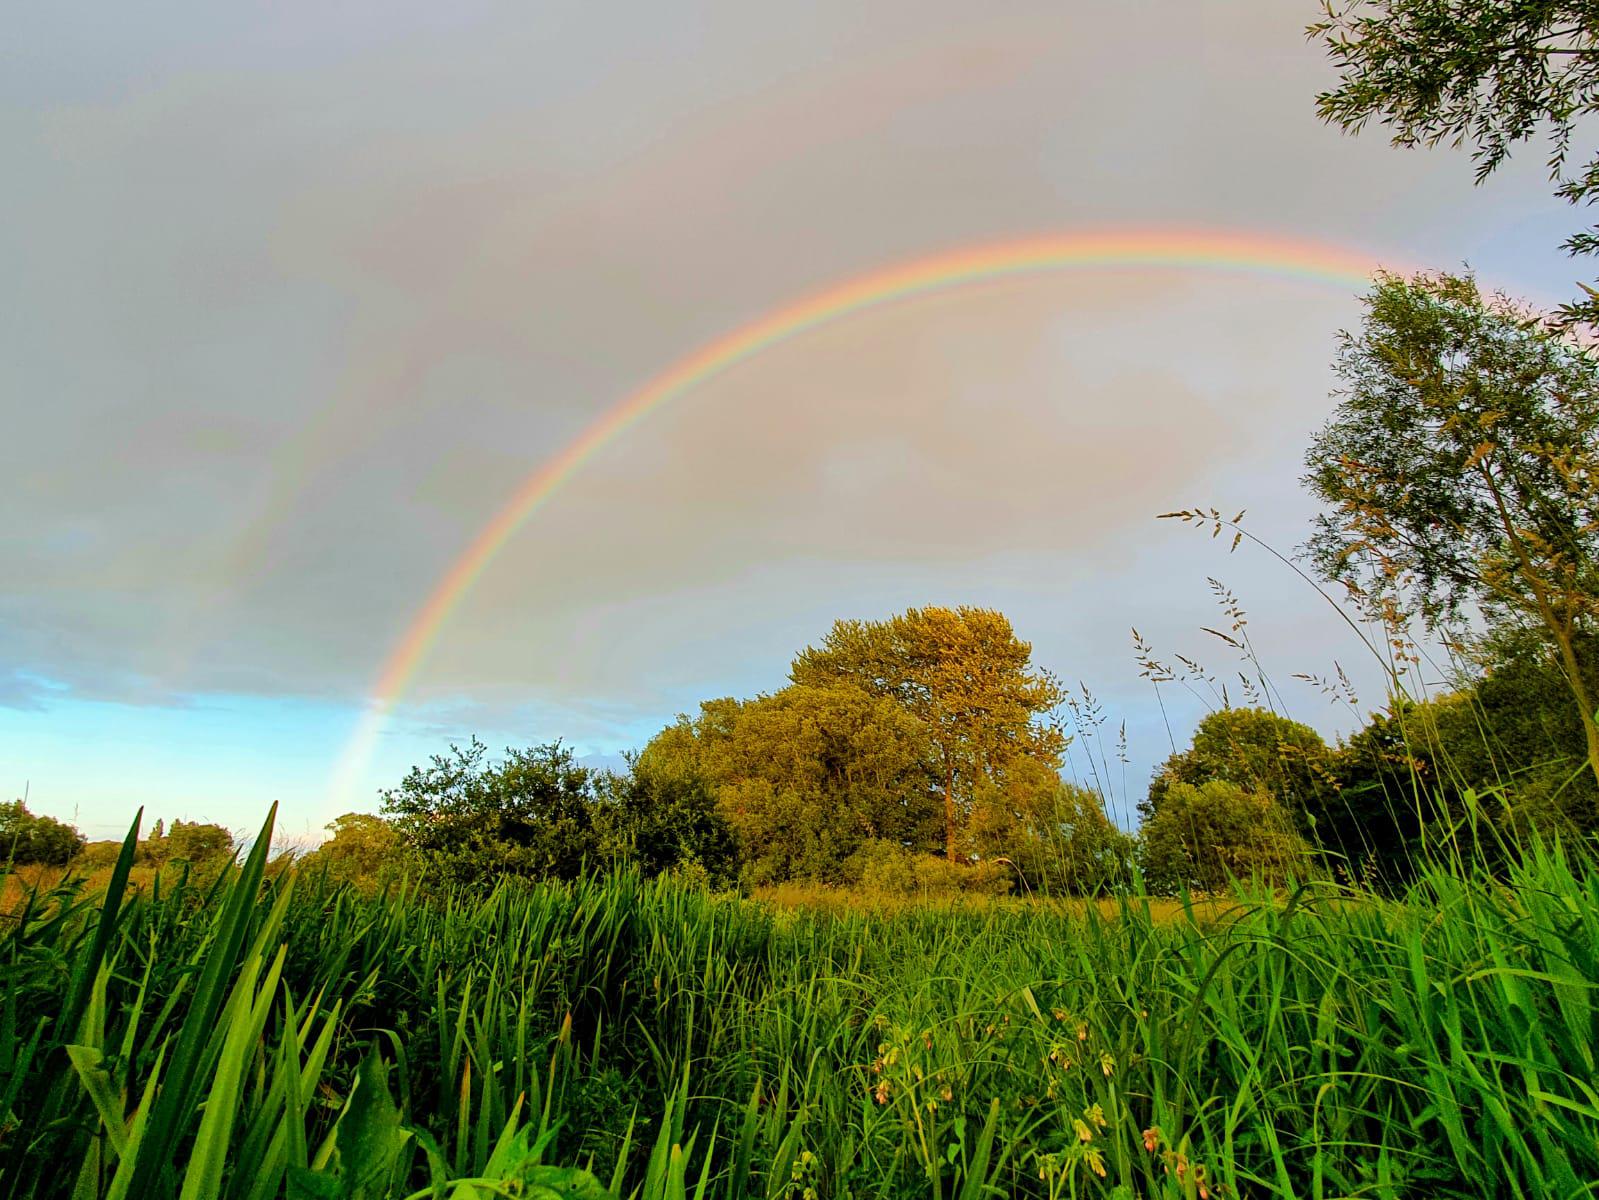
(296, 296)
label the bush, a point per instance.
(664, 819)
(198, 843)
(881, 867)
(98, 856)
(26, 838)
(1054, 835)
(1205, 837)
(364, 850)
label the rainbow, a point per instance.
(1232, 253)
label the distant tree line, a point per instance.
(1458, 477)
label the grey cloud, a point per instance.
(293, 304)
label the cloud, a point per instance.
(293, 306)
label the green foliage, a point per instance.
(1524, 731)
(528, 814)
(364, 849)
(1461, 468)
(1207, 836)
(1055, 835)
(1258, 750)
(965, 676)
(27, 838)
(1491, 73)
(197, 843)
(660, 820)
(804, 776)
(883, 868)
(227, 1043)
(1507, 737)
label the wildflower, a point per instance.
(1095, 1115)
(1107, 1063)
(946, 1093)
(880, 1092)
(1082, 1032)
(1084, 1133)
(1096, 1162)
(1060, 1014)
(1152, 1138)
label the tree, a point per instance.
(1055, 834)
(1492, 73)
(1206, 836)
(660, 819)
(1462, 469)
(965, 676)
(1528, 733)
(528, 814)
(1257, 750)
(27, 838)
(1507, 732)
(198, 842)
(363, 848)
(803, 776)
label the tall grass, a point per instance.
(275, 1035)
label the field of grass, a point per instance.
(270, 1036)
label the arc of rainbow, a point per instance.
(1222, 252)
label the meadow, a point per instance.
(271, 1033)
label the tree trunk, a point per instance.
(1585, 701)
(1560, 630)
(949, 816)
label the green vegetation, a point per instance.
(26, 838)
(276, 1034)
(1379, 977)
(1485, 73)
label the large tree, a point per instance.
(1488, 73)
(965, 676)
(804, 776)
(1461, 470)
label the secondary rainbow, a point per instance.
(1234, 253)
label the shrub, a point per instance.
(1204, 837)
(364, 850)
(882, 867)
(27, 838)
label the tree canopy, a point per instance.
(528, 813)
(1488, 73)
(805, 775)
(27, 838)
(1461, 468)
(966, 677)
